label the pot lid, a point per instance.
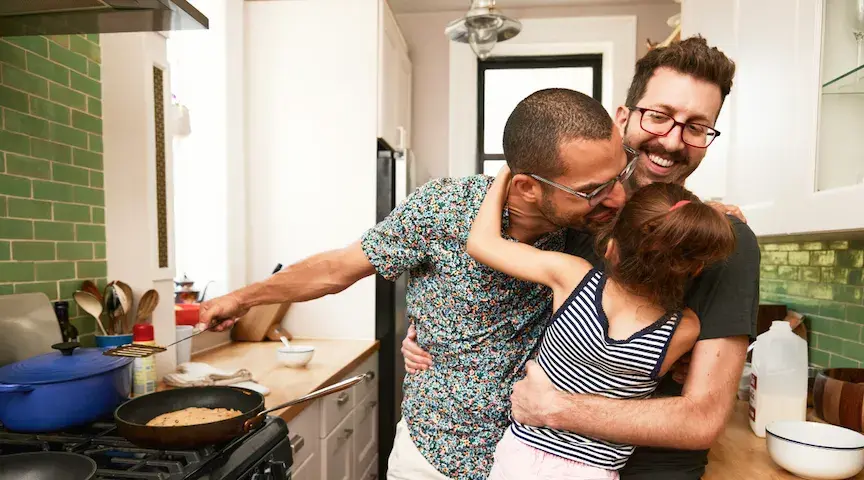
(69, 363)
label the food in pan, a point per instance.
(193, 416)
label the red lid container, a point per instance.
(142, 332)
(186, 313)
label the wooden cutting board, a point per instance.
(258, 324)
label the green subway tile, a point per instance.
(844, 330)
(59, 192)
(770, 286)
(834, 275)
(842, 362)
(851, 258)
(86, 85)
(48, 288)
(68, 97)
(832, 310)
(92, 269)
(99, 215)
(86, 122)
(14, 99)
(34, 43)
(2, 206)
(12, 229)
(5, 250)
(768, 271)
(839, 245)
(89, 196)
(94, 70)
(70, 174)
(74, 251)
(86, 325)
(855, 314)
(788, 247)
(54, 231)
(47, 69)
(13, 55)
(66, 212)
(813, 246)
(94, 107)
(51, 151)
(26, 208)
(849, 294)
(14, 186)
(21, 80)
(787, 273)
(820, 324)
(85, 47)
(856, 277)
(100, 283)
(28, 125)
(69, 59)
(811, 274)
(775, 258)
(96, 143)
(97, 179)
(62, 40)
(14, 142)
(99, 251)
(828, 344)
(33, 251)
(55, 271)
(90, 233)
(825, 258)
(799, 258)
(69, 287)
(820, 291)
(770, 247)
(50, 110)
(798, 289)
(17, 272)
(819, 358)
(69, 136)
(87, 159)
(8, 289)
(853, 350)
(93, 37)
(800, 305)
(2, 167)
(28, 167)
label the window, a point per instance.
(503, 82)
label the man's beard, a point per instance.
(586, 222)
(681, 168)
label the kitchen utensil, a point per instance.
(295, 356)
(132, 416)
(91, 305)
(29, 326)
(137, 350)
(121, 306)
(62, 389)
(46, 466)
(146, 305)
(183, 349)
(109, 304)
(838, 395)
(816, 450)
(91, 288)
(127, 300)
(282, 337)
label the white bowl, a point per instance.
(816, 450)
(295, 356)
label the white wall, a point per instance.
(311, 146)
(430, 55)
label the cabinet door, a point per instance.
(390, 43)
(337, 459)
(365, 431)
(403, 102)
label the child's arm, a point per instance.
(683, 339)
(485, 243)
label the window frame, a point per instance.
(592, 60)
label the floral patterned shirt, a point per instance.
(479, 325)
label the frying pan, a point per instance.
(46, 466)
(132, 416)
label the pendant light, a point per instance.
(482, 28)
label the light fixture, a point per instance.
(482, 28)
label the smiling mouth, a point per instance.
(660, 161)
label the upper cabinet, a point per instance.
(394, 82)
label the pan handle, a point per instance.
(255, 421)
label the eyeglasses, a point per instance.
(600, 193)
(660, 124)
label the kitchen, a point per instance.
(87, 189)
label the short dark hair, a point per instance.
(543, 121)
(691, 57)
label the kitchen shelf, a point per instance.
(849, 83)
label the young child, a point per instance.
(613, 333)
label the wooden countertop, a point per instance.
(333, 360)
(739, 454)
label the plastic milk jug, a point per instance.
(778, 381)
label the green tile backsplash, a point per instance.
(52, 198)
(822, 280)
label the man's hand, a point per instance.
(728, 210)
(531, 397)
(416, 359)
(225, 309)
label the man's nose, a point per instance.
(672, 142)
(616, 197)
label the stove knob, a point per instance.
(278, 470)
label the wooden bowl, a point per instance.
(838, 397)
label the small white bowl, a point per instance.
(295, 356)
(816, 450)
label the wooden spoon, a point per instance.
(87, 302)
(121, 313)
(91, 288)
(125, 317)
(147, 305)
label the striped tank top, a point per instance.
(579, 357)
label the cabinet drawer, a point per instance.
(365, 431)
(371, 472)
(334, 409)
(311, 470)
(369, 366)
(337, 452)
(303, 431)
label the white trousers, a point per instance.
(406, 462)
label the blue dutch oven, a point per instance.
(62, 389)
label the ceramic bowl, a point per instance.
(107, 341)
(838, 397)
(816, 450)
(295, 356)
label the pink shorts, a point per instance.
(516, 461)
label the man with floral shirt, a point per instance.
(480, 325)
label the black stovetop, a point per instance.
(263, 454)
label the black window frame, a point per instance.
(592, 60)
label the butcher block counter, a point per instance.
(333, 360)
(740, 455)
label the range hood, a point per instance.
(60, 17)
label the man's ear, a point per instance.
(621, 116)
(526, 187)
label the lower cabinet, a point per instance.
(336, 438)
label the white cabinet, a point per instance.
(394, 82)
(338, 452)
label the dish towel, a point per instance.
(194, 374)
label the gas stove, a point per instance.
(264, 454)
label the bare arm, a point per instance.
(690, 421)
